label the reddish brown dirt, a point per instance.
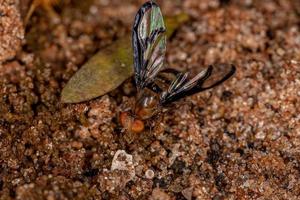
(238, 141)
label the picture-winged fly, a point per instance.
(156, 87)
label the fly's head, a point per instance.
(146, 106)
(130, 123)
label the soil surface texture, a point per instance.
(240, 140)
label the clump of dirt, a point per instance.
(237, 141)
(11, 29)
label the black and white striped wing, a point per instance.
(182, 86)
(149, 43)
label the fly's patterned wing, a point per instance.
(149, 43)
(182, 86)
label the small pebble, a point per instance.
(159, 194)
(149, 174)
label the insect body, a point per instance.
(156, 87)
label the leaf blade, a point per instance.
(108, 68)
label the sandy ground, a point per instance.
(238, 141)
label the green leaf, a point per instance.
(108, 68)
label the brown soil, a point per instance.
(238, 141)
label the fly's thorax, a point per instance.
(147, 104)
